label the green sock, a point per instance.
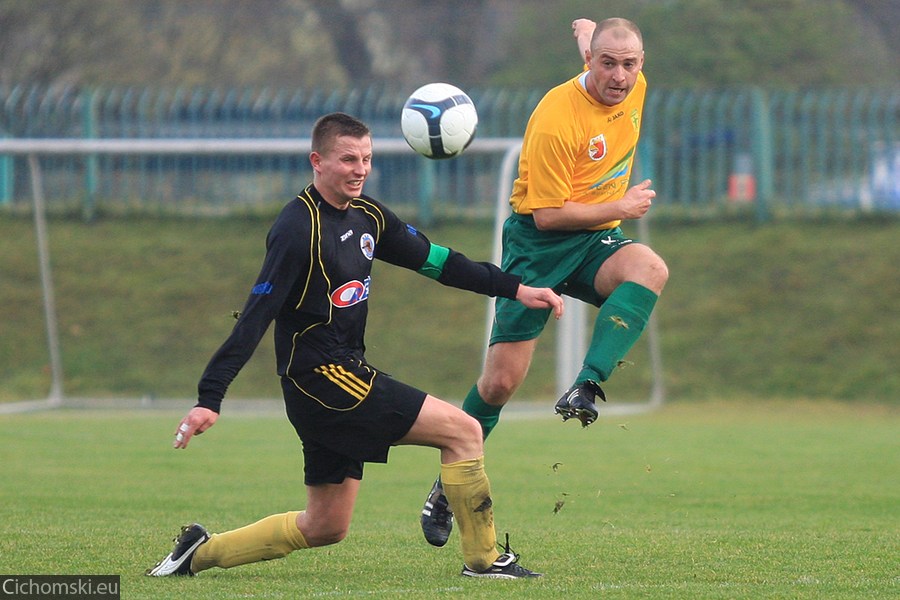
(620, 323)
(486, 414)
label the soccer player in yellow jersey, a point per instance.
(568, 201)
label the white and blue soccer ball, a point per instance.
(439, 120)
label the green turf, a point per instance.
(786, 310)
(704, 500)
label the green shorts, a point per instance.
(566, 261)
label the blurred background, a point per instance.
(771, 131)
(343, 44)
(792, 102)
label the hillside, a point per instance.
(787, 311)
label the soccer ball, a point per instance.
(438, 120)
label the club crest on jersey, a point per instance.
(367, 245)
(352, 292)
(597, 147)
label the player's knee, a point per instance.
(472, 429)
(657, 273)
(651, 273)
(467, 439)
(470, 432)
(498, 388)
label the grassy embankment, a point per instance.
(787, 311)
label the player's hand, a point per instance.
(637, 200)
(197, 421)
(540, 298)
(583, 30)
(582, 27)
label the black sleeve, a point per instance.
(480, 277)
(404, 246)
(285, 257)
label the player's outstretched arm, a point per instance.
(583, 30)
(540, 298)
(197, 421)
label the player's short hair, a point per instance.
(332, 126)
(613, 23)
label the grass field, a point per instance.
(701, 500)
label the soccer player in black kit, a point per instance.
(314, 283)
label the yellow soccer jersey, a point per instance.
(578, 150)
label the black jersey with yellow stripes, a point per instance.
(315, 282)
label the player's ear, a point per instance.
(315, 159)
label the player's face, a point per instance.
(341, 170)
(615, 62)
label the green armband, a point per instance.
(434, 264)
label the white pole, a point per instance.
(40, 226)
(508, 167)
(658, 388)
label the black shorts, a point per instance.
(348, 414)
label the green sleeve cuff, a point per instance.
(434, 264)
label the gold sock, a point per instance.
(469, 494)
(272, 537)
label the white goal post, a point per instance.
(571, 335)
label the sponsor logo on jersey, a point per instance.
(597, 147)
(346, 235)
(614, 243)
(261, 289)
(620, 169)
(367, 245)
(352, 292)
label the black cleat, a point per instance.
(578, 402)
(437, 518)
(505, 567)
(178, 562)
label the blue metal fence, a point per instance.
(762, 151)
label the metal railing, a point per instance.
(745, 150)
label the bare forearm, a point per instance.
(573, 216)
(583, 30)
